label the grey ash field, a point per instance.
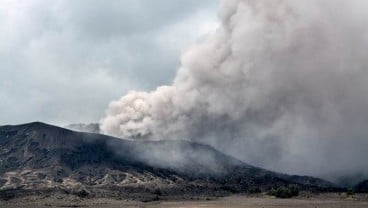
(43, 165)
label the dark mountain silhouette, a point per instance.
(38, 157)
(362, 187)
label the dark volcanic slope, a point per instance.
(362, 187)
(38, 156)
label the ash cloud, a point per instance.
(281, 84)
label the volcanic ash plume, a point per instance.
(281, 84)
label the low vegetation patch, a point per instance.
(285, 192)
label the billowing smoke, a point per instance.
(281, 84)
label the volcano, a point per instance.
(37, 158)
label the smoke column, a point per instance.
(281, 84)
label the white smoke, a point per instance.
(282, 84)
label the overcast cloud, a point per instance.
(63, 61)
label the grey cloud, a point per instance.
(62, 62)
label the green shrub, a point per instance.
(350, 192)
(82, 193)
(294, 190)
(6, 195)
(157, 191)
(254, 190)
(285, 192)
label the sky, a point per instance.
(63, 62)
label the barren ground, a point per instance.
(320, 201)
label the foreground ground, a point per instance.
(320, 201)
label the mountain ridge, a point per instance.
(39, 156)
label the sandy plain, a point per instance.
(237, 201)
